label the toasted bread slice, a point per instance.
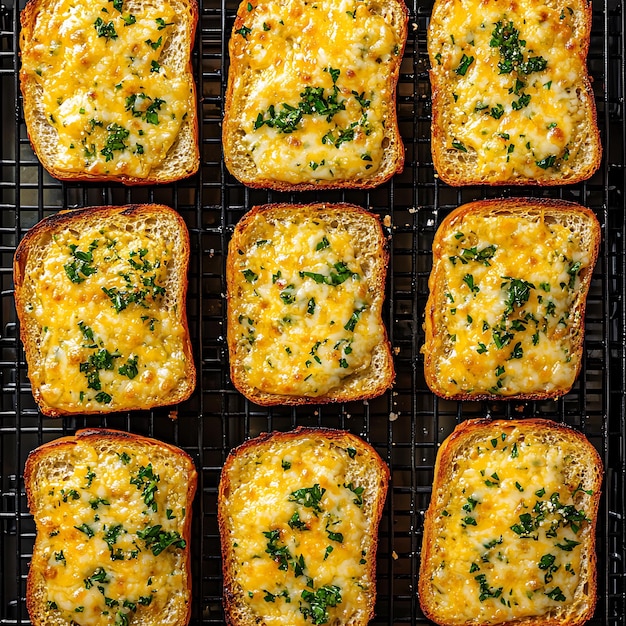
(100, 294)
(108, 88)
(298, 515)
(508, 289)
(509, 536)
(512, 101)
(306, 284)
(113, 518)
(311, 93)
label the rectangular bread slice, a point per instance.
(113, 518)
(108, 88)
(311, 93)
(101, 298)
(305, 288)
(298, 516)
(512, 101)
(509, 536)
(508, 289)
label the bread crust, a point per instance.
(557, 210)
(361, 386)
(372, 464)
(181, 161)
(459, 168)
(35, 477)
(26, 262)
(240, 164)
(460, 442)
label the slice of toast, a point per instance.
(311, 94)
(508, 289)
(108, 88)
(512, 100)
(101, 298)
(509, 536)
(113, 518)
(305, 286)
(298, 515)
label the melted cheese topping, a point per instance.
(288, 541)
(305, 315)
(515, 115)
(108, 340)
(342, 53)
(116, 105)
(509, 534)
(101, 562)
(508, 325)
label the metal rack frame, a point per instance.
(405, 425)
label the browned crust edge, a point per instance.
(391, 122)
(28, 17)
(332, 435)
(452, 443)
(437, 82)
(59, 220)
(95, 434)
(266, 399)
(508, 206)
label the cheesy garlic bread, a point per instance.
(509, 536)
(305, 286)
(508, 289)
(108, 88)
(512, 101)
(113, 517)
(311, 93)
(298, 514)
(100, 294)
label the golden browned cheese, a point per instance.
(316, 94)
(509, 534)
(108, 90)
(512, 98)
(306, 315)
(506, 305)
(110, 537)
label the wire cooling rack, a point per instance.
(405, 425)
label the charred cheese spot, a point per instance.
(321, 90)
(306, 315)
(514, 74)
(510, 532)
(99, 565)
(108, 338)
(106, 91)
(287, 510)
(508, 320)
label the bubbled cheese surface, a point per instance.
(507, 324)
(108, 338)
(513, 120)
(509, 534)
(345, 50)
(114, 102)
(97, 567)
(306, 316)
(297, 526)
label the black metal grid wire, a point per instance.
(405, 425)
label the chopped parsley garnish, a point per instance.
(466, 61)
(319, 601)
(147, 480)
(80, 267)
(115, 140)
(158, 540)
(309, 497)
(105, 29)
(129, 368)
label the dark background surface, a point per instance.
(405, 425)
